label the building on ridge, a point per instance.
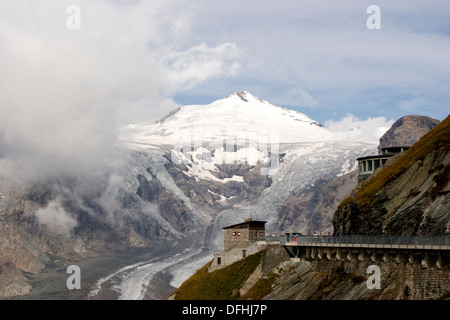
(240, 240)
(368, 165)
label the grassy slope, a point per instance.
(222, 284)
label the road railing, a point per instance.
(440, 242)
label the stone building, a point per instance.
(240, 240)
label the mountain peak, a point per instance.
(241, 113)
(246, 96)
(243, 95)
(407, 130)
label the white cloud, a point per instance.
(352, 128)
(186, 69)
(56, 219)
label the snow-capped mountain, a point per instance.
(241, 129)
(240, 116)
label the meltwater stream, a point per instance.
(133, 282)
(151, 273)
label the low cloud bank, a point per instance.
(352, 128)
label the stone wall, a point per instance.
(273, 256)
(242, 238)
(398, 281)
(344, 279)
(237, 253)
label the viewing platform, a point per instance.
(364, 241)
(427, 251)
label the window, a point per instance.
(377, 164)
(244, 253)
(370, 165)
(219, 261)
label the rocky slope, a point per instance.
(409, 196)
(312, 210)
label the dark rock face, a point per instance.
(171, 208)
(406, 131)
(212, 193)
(329, 280)
(313, 210)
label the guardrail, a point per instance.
(370, 241)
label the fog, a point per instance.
(65, 94)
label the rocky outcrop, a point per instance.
(406, 131)
(172, 208)
(20, 249)
(410, 196)
(12, 281)
(312, 210)
(213, 193)
(333, 280)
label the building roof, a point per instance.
(396, 147)
(378, 156)
(249, 223)
(384, 154)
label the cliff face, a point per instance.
(312, 210)
(406, 131)
(336, 280)
(410, 196)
